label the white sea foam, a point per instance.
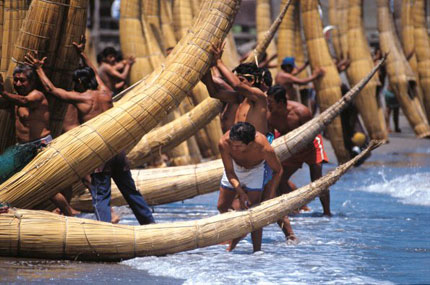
(412, 189)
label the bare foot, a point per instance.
(305, 208)
(75, 212)
(292, 239)
(233, 243)
(56, 211)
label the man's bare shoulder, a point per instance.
(299, 108)
(36, 95)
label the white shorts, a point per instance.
(251, 179)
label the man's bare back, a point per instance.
(295, 115)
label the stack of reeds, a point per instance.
(333, 19)
(401, 77)
(76, 153)
(263, 17)
(328, 87)
(265, 39)
(208, 137)
(132, 39)
(422, 51)
(74, 238)
(151, 24)
(361, 62)
(12, 13)
(167, 24)
(290, 42)
(342, 26)
(66, 59)
(160, 186)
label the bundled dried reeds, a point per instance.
(342, 26)
(401, 77)
(265, 37)
(263, 17)
(333, 19)
(132, 39)
(74, 238)
(161, 186)
(422, 51)
(167, 24)
(12, 13)
(76, 153)
(170, 135)
(327, 87)
(361, 62)
(66, 59)
(408, 42)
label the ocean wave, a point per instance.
(411, 189)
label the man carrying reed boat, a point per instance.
(92, 97)
(285, 116)
(244, 153)
(113, 72)
(31, 126)
(287, 79)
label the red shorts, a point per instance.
(312, 155)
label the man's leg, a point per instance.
(316, 173)
(100, 189)
(256, 236)
(396, 120)
(137, 203)
(61, 200)
(225, 202)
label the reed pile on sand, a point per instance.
(401, 77)
(327, 87)
(161, 186)
(74, 238)
(361, 62)
(422, 51)
(13, 13)
(76, 153)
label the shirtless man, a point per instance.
(31, 116)
(287, 79)
(244, 153)
(31, 124)
(91, 98)
(112, 73)
(285, 116)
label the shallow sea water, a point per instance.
(379, 234)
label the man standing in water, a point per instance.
(244, 153)
(91, 98)
(285, 116)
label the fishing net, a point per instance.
(15, 158)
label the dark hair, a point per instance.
(266, 76)
(87, 77)
(250, 68)
(242, 131)
(279, 93)
(99, 58)
(27, 70)
(109, 51)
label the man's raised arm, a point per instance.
(69, 96)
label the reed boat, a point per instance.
(83, 239)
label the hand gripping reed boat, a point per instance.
(74, 154)
(81, 239)
(161, 186)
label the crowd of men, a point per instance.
(255, 113)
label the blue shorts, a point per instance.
(267, 170)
